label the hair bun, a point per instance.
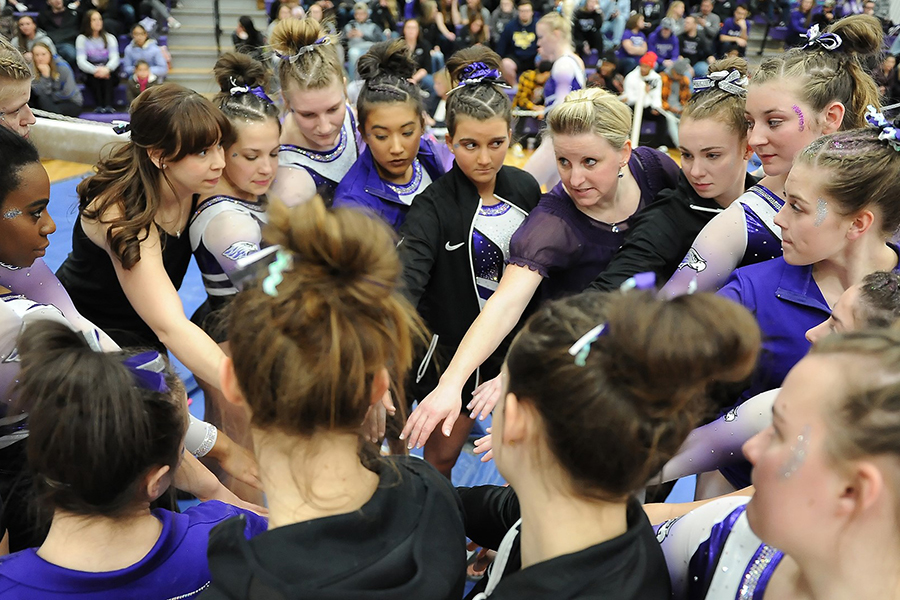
(390, 58)
(234, 69)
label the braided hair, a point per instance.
(482, 100)
(386, 69)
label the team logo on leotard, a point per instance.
(240, 250)
(694, 261)
(663, 532)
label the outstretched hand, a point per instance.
(484, 399)
(375, 423)
(484, 445)
(441, 405)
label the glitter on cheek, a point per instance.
(12, 213)
(821, 212)
(798, 454)
(800, 118)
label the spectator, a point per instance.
(28, 34)
(475, 32)
(469, 8)
(587, 25)
(735, 33)
(142, 78)
(98, 58)
(360, 34)
(826, 15)
(676, 15)
(677, 74)
(645, 85)
(285, 11)
(156, 10)
(708, 21)
(384, 14)
(109, 10)
(8, 26)
(801, 21)
(518, 44)
(142, 48)
(529, 96)
(696, 48)
(54, 88)
(652, 12)
(504, 14)
(247, 40)
(607, 76)
(420, 50)
(885, 72)
(634, 44)
(846, 8)
(294, 10)
(664, 43)
(434, 30)
(616, 13)
(63, 25)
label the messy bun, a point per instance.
(823, 76)
(719, 104)
(642, 385)
(481, 101)
(242, 83)
(385, 70)
(93, 433)
(306, 357)
(308, 55)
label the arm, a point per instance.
(158, 66)
(655, 244)
(442, 27)
(716, 252)
(633, 50)
(719, 443)
(660, 512)
(419, 239)
(292, 186)
(500, 314)
(230, 236)
(113, 63)
(81, 57)
(152, 295)
(490, 511)
(505, 37)
(128, 61)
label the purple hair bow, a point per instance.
(478, 72)
(148, 370)
(888, 132)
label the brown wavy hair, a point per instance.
(643, 386)
(305, 358)
(171, 120)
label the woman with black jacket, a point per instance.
(455, 240)
(597, 390)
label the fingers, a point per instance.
(419, 427)
(488, 456)
(449, 421)
(388, 402)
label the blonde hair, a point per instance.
(320, 64)
(671, 12)
(54, 72)
(12, 63)
(556, 22)
(592, 110)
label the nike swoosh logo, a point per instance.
(454, 246)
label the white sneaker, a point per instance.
(173, 24)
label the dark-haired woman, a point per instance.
(128, 253)
(316, 346)
(399, 161)
(127, 416)
(633, 372)
(458, 230)
(247, 40)
(97, 55)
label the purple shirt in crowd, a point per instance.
(638, 39)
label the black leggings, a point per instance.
(102, 89)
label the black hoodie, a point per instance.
(407, 542)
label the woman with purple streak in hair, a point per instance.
(792, 99)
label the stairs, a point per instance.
(193, 46)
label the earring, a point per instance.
(164, 166)
(621, 174)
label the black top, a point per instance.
(438, 275)
(630, 566)
(90, 278)
(406, 542)
(661, 235)
(586, 28)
